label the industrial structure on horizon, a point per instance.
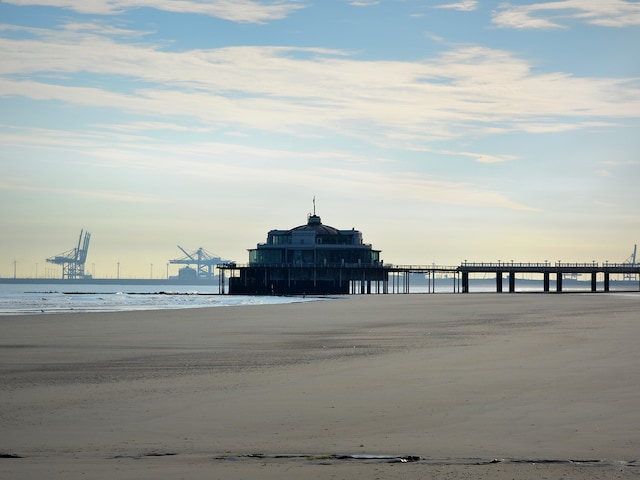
(202, 260)
(73, 261)
(631, 261)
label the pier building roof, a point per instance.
(314, 242)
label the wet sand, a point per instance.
(510, 386)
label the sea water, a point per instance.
(23, 299)
(36, 298)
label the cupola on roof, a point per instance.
(314, 223)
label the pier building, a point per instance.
(313, 259)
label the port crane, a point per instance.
(203, 260)
(631, 260)
(73, 261)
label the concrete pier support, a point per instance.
(594, 283)
(546, 281)
(499, 281)
(465, 282)
(512, 282)
(559, 282)
(606, 281)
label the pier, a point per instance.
(547, 270)
(318, 259)
(354, 279)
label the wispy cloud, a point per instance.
(612, 163)
(96, 28)
(420, 188)
(555, 14)
(244, 11)
(364, 3)
(470, 91)
(463, 6)
(111, 195)
(480, 157)
(242, 167)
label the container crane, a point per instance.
(203, 260)
(632, 261)
(73, 261)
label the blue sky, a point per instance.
(444, 131)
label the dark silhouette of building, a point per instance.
(309, 259)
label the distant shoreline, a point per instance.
(108, 281)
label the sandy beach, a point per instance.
(477, 386)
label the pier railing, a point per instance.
(542, 267)
(528, 267)
(499, 264)
(422, 268)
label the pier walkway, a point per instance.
(547, 270)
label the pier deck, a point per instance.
(546, 269)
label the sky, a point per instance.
(443, 130)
